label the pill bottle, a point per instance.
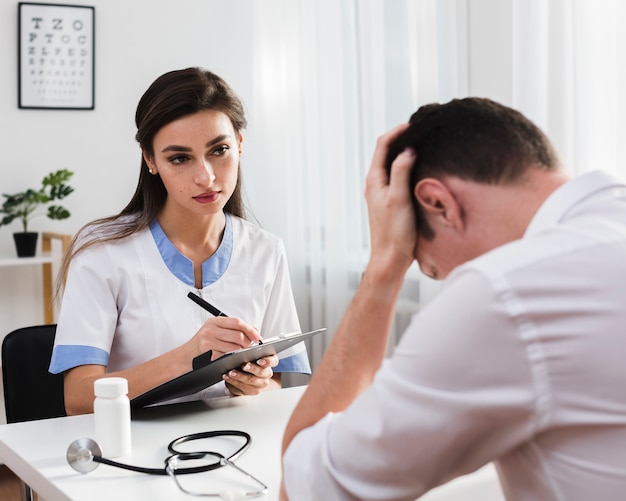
(112, 416)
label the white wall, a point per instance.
(135, 42)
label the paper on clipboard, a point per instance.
(206, 373)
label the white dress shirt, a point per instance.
(520, 360)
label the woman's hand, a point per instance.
(253, 377)
(223, 335)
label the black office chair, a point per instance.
(30, 391)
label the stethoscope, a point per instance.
(84, 455)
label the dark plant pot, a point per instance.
(26, 243)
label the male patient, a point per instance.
(520, 359)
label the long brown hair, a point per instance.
(172, 96)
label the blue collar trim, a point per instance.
(182, 267)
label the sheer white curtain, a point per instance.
(306, 112)
(329, 78)
(568, 76)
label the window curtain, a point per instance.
(328, 80)
(331, 76)
(568, 71)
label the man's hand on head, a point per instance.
(390, 207)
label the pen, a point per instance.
(206, 305)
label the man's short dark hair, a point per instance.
(475, 139)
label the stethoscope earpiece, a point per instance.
(80, 455)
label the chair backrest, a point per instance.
(30, 391)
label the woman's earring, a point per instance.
(150, 170)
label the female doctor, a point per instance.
(125, 310)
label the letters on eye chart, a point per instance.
(56, 56)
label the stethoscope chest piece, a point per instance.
(80, 454)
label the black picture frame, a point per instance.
(56, 56)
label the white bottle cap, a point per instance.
(110, 387)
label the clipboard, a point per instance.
(206, 373)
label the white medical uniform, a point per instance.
(520, 360)
(125, 302)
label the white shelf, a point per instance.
(25, 261)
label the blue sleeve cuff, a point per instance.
(295, 363)
(66, 357)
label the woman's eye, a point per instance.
(177, 159)
(220, 150)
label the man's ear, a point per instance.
(440, 205)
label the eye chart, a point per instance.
(56, 56)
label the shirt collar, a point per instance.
(568, 195)
(182, 267)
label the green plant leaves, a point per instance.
(58, 212)
(22, 205)
(57, 178)
(7, 219)
(61, 191)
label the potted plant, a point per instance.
(23, 206)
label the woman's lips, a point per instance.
(207, 198)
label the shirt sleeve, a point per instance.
(88, 314)
(298, 362)
(457, 392)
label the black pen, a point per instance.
(207, 306)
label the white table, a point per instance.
(36, 450)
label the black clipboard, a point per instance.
(206, 373)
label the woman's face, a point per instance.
(197, 157)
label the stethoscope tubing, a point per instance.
(96, 458)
